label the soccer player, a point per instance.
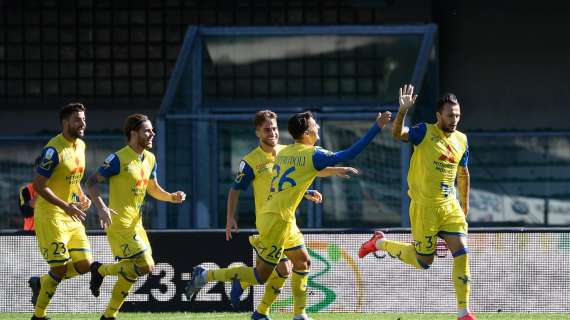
(296, 166)
(440, 158)
(60, 208)
(131, 173)
(256, 169)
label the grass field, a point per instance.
(318, 316)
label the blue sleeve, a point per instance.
(153, 172)
(465, 159)
(49, 159)
(323, 158)
(244, 177)
(417, 133)
(111, 166)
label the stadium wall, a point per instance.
(513, 270)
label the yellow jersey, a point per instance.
(128, 174)
(63, 163)
(256, 168)
(434, 163)
(293, 174)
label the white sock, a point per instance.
(462, 312)
(379, 242)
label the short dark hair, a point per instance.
(262, 116)
(132, 123)
(446, 98)
(298, 124)
(69, 109)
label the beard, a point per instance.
(146, 144)
(449, 128)
(76, 133)
(270, 142)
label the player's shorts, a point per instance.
(429, 222)
(131, 244)
(275, 236)
(61, 240)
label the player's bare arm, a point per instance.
(342, 172)
(103, 211)
(156, 191)
(463, 183)
(231, 223)
(70, 208)
(407, 100)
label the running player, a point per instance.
(131, 173)
(256, 169)
(440, 158)
(295, 168)
(60, 208)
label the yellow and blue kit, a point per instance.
(295, 169)
(256, 168)
(128, 174)
(59, 237)
(434, 209)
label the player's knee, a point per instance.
(142, 270)
(82, 266)
(284, 268)
(303, 264)
(460, 252)
(58, 271)
(425, 261)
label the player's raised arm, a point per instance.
(323, 158)
(406, 100)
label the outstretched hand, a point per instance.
(407, 97)
(346, 172)
(383, 118)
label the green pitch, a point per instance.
(317, 316)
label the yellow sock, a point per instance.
(406, 252)
(125, 267)
(272, 290)
(118, 296)
(49, 283)
(70, 272)
(461, 278)
(299, 281)
(243, 273)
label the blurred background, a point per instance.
(201, 69)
